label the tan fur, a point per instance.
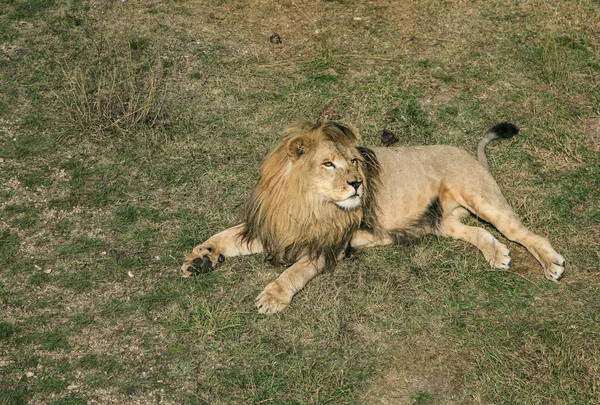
(304, 212)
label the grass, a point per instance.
(131, 131)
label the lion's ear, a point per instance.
(349, 134)
(298, 146)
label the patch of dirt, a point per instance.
(400, 13)
(565, 160)
(522, 262)
(440, 95)
(420, 375)
(592, 130)
(423, 368)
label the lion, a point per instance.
(319, 195)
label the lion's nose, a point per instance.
(356, 184)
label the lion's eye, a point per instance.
(354, 161)
(328, 164)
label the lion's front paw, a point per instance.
(554, 268)
(201, 261)
(274, 298)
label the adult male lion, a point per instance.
(319, 194)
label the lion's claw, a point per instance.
(555, 270)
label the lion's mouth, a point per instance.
(350, 203)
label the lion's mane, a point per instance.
(291, 223)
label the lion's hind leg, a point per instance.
(494, 209)
(496, 253)
(207, 255)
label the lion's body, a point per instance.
(319, 194)
(413, 177)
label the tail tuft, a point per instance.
(503, 130)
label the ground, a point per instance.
(132, 130)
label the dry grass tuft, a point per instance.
(556, 62)
(119, 96)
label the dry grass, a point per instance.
(116, 100)
(131, 131)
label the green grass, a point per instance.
(129, 132)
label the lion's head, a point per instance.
(315, 190)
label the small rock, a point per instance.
(275, 38)
(329, 113)
(388, 138)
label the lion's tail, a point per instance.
(499, 131)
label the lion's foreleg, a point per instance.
(227, 243)
(278, 294)
(364, 238)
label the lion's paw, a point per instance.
(273, 299)
(201, 262)
(554, 268)
(500, 257)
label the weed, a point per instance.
(113, 100)
(422, 397)
(51, 384)
(10, 397)
(556, 62)
(7, 330)
(28, 8)
(117, 95)
(71, 400)
(9, 243)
